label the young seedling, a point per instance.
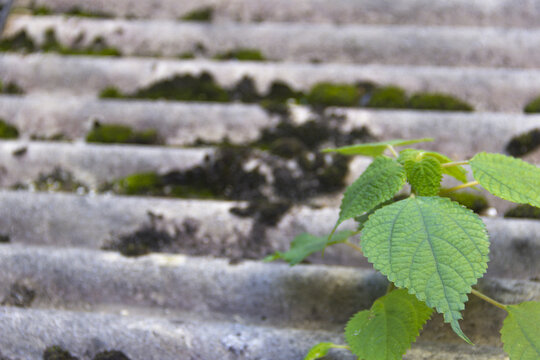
(431, 249)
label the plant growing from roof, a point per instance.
(432, 249)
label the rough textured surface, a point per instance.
(478, 12)
(403, 45)
(167, 279)
(160, 339)
(509, 89)
(90, 164)
(55, 219)
(183, 123)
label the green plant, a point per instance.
(432, 249)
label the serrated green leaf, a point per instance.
(520, 333)
(424, 176)
(457, 172)
(374, 149)
(507, 177)
(388, 329)
(434, 247)
(381, 180)
(306, 244)
(320, 350)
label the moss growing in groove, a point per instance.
(98, 47)
(241, 55)
(8, 131)
(437, 101)
(525, 143)
(245, 91)
(329, 94)
(121, 134)
(187, 55)
(476, 203)
(533, 106)
(280, 91)
(57, 353)
(78, 12)
(148, 183)
(202, 14)
(41, 10)
(523, 211)
(111, 355)
(111, 92)
(20, 42)
(184, 88)
(388, 97)
(4, 238)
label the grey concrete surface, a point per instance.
(390, 45)
(86, 334)
(487, 89)
(90, 164)
(93, 221)
(177, 123)
(458, 135)
(522, 13)
(249, 290)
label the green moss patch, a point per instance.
(98, 47)
(11, 88)
(524, 212)
(79, 12)
(111, 92)
(203, 14)
(8, 131)
(241, 55)
(476, 203)
(20, 295)
(148, 183)
(533, 106)
(57, 180)
(57, 353)
(184, 88)
(111, 355)
(330, 94)
(20, 42)
(121, 134)
(523, 144)
(437, 101)
(41, 10)
(388, 97)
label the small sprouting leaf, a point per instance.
(381, 180)
(434, 247)
(320, 350)
(507, 177)
(306, 244)
(457, 172)
(388, 329)
(374, 149)
(520, 333)
(424, 176)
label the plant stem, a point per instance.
(354, 246)
(392, 150)
(488, 299)
(390, 287)
(454, 163)
(462, 186)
